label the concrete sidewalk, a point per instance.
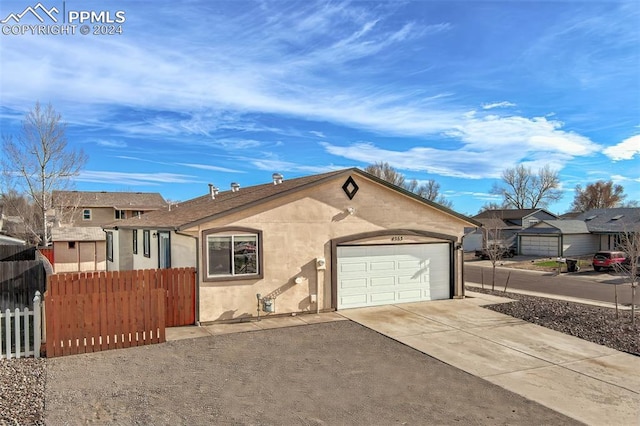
(586, 381)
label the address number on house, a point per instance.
(397, 238)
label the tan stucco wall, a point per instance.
(299, 228)
(86, 256)
(99, 216)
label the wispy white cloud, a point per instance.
(133, 178)
(625, 150)
(111, 143)
(209, 167)
(503, 104)
(318, 134)
(489, 145)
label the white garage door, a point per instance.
(539, 246)
(381, 275)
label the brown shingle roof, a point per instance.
(118, 200)
(204, 208)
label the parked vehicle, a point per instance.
(626, 265)
(500, 250)
(607, 259)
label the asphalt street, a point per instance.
(584, 284)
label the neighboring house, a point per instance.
(336, 240)
(78, 249)
(553, 238)
(79, 243)
(586, 233)
(609, 224)
(503, 224)
(89, 208)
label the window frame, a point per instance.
(84, 214)
(232, 232)
(146, 243)
(109, 237)
(120, 214)
(135, 241)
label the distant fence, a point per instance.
(19, 282)
(11, 253)
(21, 331)
(48, 253)
(99, 312)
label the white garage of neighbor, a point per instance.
(539, 245)
(384, 274)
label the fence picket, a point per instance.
(107, 310)
(17, 339)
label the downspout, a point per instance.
(462, 248)
(197, 289)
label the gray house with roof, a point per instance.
(504, 225)
(587, 233)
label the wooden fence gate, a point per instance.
(87, 312)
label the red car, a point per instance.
(607, 259)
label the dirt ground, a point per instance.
(325, 374)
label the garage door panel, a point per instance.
(412, 265)
(357, 300)
(388, 265)
(383, 297)
(539, 245)
(409, 295)
(354, 283)
(398, 273)
(382, 281)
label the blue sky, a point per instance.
(194, 92)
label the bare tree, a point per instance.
(496, 248)
(630, 269)
(492, 205)
(429, 190)
(385, 171)
(524, 189)
(23, 220)
(598, 195)
(38, 161)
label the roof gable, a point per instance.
(205, 208)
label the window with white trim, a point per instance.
(232, 255)
(121, 214)
(86, 214)
(135, 241)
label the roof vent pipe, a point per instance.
(277, 178)
(213, 191)
(235, 187)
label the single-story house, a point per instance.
(330, 241)
(587, 233)
(502, 225)
(78, 249)
(557, 238)
(609, 224)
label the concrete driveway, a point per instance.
(588, 382)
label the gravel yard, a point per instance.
(592, 323)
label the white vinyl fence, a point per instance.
(21, 331)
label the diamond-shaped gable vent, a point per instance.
(350, 188)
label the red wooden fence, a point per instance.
(87, 312)
(48, 253)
